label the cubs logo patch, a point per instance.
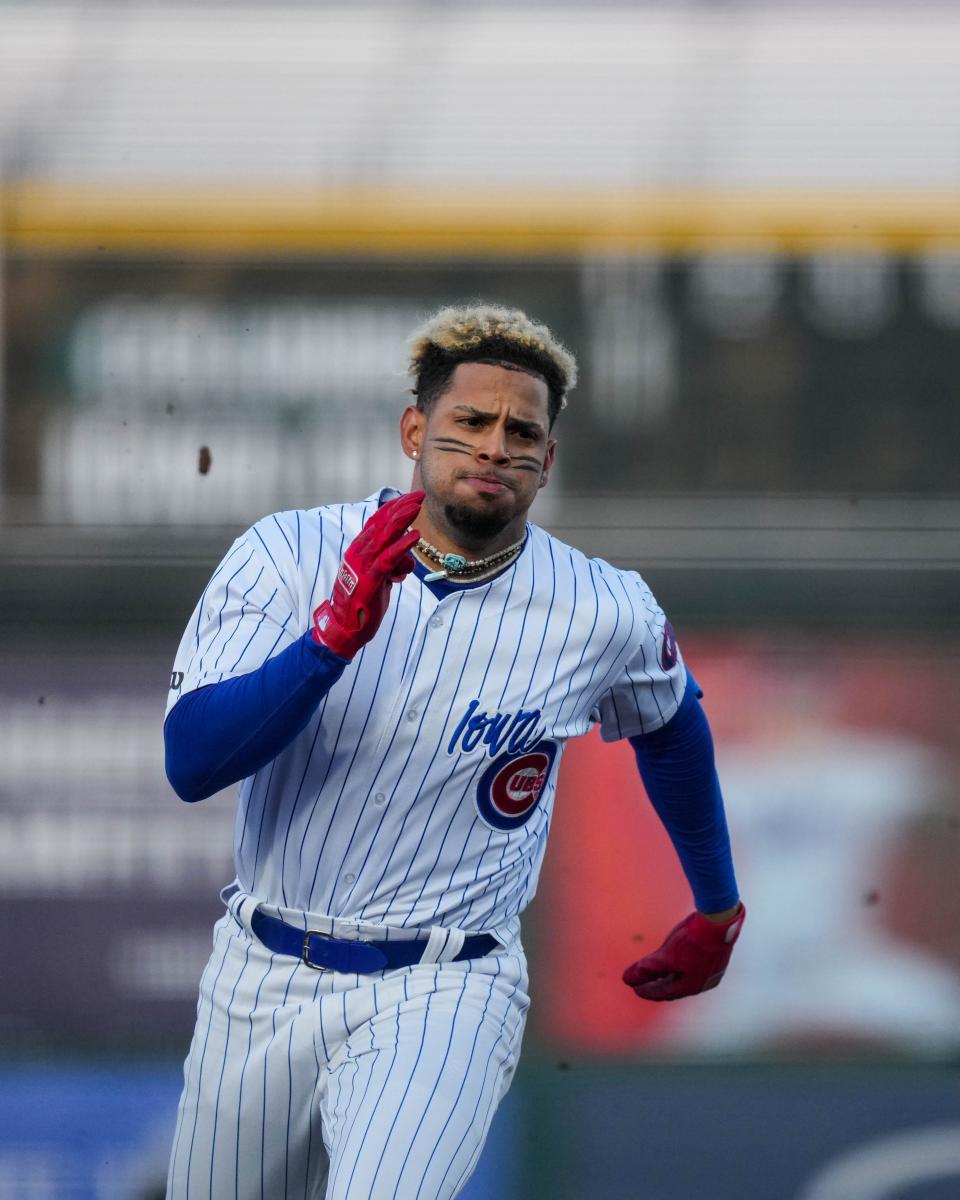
(669, 651)
(510, 788)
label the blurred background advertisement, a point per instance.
(218, 224)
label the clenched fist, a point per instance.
(692, 959)
(377, 557)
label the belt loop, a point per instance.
(443, 945)
(241, 906)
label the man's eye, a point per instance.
(472, 421)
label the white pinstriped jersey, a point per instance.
(421, 791)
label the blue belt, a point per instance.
(324, 952)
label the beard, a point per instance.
(476, 526)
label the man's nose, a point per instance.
(493, 445)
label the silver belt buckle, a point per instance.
(305, 950)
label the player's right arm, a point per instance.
(223, 732)
(250, 685)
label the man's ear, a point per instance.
(548, 461)
(413, 426)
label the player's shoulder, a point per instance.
(621, 582)
(292, 523)
(289, 534)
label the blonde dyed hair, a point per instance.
(488, 333)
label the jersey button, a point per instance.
(380, 798)
(436, 623)
(412, 714)
(349, 879)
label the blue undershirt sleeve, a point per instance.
(677, 767)
(222, 733)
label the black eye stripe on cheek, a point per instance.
(519, 462)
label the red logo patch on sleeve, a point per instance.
(669, 651)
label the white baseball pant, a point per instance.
(326, 1086)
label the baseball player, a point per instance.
(392, 683)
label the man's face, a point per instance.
(483, 451)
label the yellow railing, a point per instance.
(45, 217)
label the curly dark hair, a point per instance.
(491, 334)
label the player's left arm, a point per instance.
(655, 702)
(678, 769)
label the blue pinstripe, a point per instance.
(263, 815)
(355, 1060)
(303, 778)
(506, 684)
(478, 767)
(433, 1091)
(240, 544)
(316, 1057)
(286, 1154)
(566, 636)
(243, 1071)
(318, 729)
(332, 814)
(466, 1074)
(243, 613)
(589, 639)
(284, 536)
(406, 1091)
(601, 655)
(263, 1116)
(223, 1065)
(226, 597)
(319, 726)
(546, 622)
(440, 741)
(643, 656)
(347, 1133)
(406, 658)
(627, 642)
(481, 765)
(316, 574)
(256, 630)
(266, 548)
(472, 1122)
(203, 1055)
(653, 639)
(533, 671)
(482, 858)
(396, 730)
(370, 707)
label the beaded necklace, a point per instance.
(465, 570)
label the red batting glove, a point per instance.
(692, 959)
(378, 556)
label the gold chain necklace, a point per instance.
(466, 570)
